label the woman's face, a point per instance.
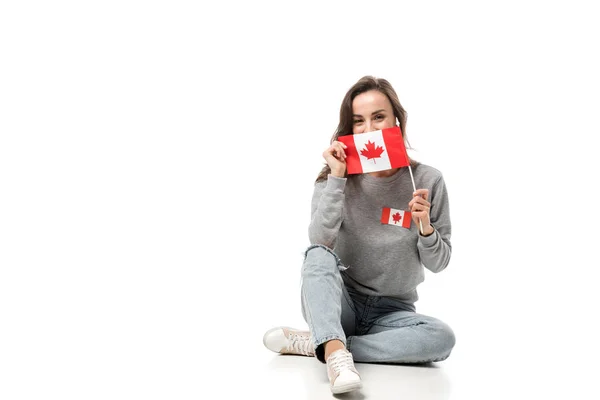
(372, 111)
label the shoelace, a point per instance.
(341, 360)
(300, 344)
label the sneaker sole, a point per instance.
(346, 388)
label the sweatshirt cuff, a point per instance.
(335, 184)
(429, 241)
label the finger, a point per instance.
(421, 195)
(424, 193)
(421, 213)
(421, 216)
(329, 153)
(419, 200)
(339, 150)
(423, 202)
(333, 150)
(418, 207)
(332, 154)
(342, 144)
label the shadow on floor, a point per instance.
(380, 381)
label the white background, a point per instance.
(156, 168)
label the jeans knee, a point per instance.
(319, 251)
(320, 259)
(445, 340)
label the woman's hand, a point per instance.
(335, 156)
(419, 207)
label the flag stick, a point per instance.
(415, 188)
(411, 177)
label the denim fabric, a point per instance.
(374, 329)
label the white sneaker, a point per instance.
(343, 377)
(286, 340)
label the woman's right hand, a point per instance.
(335, 156)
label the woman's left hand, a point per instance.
(419, 207)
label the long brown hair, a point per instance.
(365, 84)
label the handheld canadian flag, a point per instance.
(391, 216)
(375, 151)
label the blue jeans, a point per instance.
(374, 329)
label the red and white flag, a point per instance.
(391, 216)
(375, 151)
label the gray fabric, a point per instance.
(381, 259)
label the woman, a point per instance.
(360, 276)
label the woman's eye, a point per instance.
(379, 117)
(357, 121)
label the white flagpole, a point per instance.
(415, 189)
(412, 179)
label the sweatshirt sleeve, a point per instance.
(327, 211)
(435, 250)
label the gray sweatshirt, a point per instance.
(382, 259)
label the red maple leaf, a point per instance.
(370, 151)
(396, 217)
